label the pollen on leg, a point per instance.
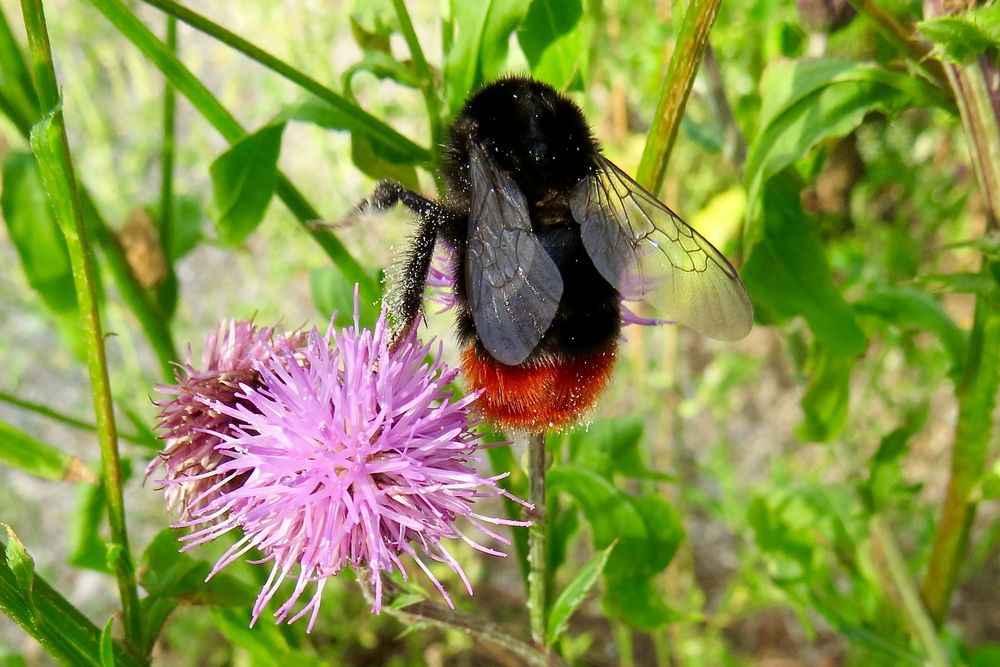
(540, 393)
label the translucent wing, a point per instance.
(647, 252)
(513, 285)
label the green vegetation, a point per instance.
(824, 491)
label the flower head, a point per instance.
(189, 426)
(344, 453)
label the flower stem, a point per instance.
(477, 628)
(51, 147)
(537, 558)
(691, 42)
(921, 622)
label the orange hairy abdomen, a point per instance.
(540, 393)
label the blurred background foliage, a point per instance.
(775, 502)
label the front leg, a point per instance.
(405, 298)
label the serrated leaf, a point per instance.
(788, 275)
(555, 38)
(243, 180)
(574, 594)
(962, 37)
(479, 51)
(25, 452)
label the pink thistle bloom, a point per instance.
(345, 454)
(189, 426)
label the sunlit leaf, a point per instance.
(555, 37)
(826, 400)
(243, 179)
(25, 452)
(479, 50)
(573, 595)
(787, 272)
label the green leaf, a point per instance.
(36, 237)
(186, 231)
(574, 593)
(479, 52)
(87, 547)
(910, 308)
(366, 157)
(806, 102)
(22, 566)
(885, 485)
(963, 282)
(25, 452)
(648, 531)
(961, 38)
(555, 37)
(165, 572)
(107, 647)
(610, 446)
(244, 178)
(64, 632)
(516, 483)
(264, 642)
(317, 112)
(788, 275)
(825, 402)
(990, 483)
(16, 87)
(333, 294)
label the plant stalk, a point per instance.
(537, 533)
(51, 148)
(684, 61)
(896, 565)
(977, 389)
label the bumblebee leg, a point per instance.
(405, 300)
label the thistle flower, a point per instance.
(344, 453)
(188, 426)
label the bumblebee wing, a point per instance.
(513, 285)
(647, 252)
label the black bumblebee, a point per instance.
(549, 237)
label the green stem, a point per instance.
(151, 320)
(51, 147)
(976, 399)
(370, 125)
(684, 61)
(977, 389)
(915, 609)
(428, 87)
(54, 415)
(476, 628)
(167, 151)
(224, 122)
(537, 558)
(57, 625)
